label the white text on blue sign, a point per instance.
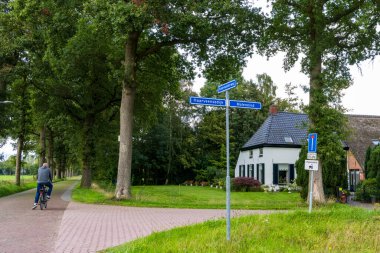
(227, 86)
(245, 104)
(207, 101)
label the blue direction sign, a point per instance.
(245, 104)
(227, 86)
(207, 101)
(312, 143)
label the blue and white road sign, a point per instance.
(245, 104)
(312, 143)
(207, 101)
(227, 86)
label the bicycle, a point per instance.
(43, 199)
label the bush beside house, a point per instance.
(368, 191)
(246, 184)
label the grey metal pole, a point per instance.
(228, 189)
(311, 190)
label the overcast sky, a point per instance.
(363, 97)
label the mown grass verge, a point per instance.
(191, 197)
(335, 228)
(8, 187)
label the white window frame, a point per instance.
(261, 152)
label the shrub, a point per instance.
(220, 182)
(367, 189)
(244, 184)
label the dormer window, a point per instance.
(288, 139)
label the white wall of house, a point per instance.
(270, 156)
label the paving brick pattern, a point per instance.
(88, 228)
(74, 227)
(23, 230)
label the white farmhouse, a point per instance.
(269, 156)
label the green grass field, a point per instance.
(192, 197)
(8, 187)
(335, 228)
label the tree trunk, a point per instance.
(21, 134)
(20, 144)
(316, 95)
(315, 103)
(123, 184)
(170, 148)
(42, 146)
(62, 167)
(51, 153)
(88, 151)
(3, 90)
(59, 168)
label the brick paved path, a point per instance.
(75, 227)
(23, 230)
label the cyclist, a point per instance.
(44, 177)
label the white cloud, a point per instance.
(7, 149)
(363, 97)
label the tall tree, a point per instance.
(21, 41)
(328, 35)
(205, 29)
(87, 85)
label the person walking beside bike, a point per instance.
(44, 177)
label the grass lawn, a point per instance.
(8, 187)
(192, 197)
(335, 228)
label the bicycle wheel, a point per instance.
(41, 201)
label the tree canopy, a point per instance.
(328, 36)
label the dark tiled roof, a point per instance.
(363, 129)
(277, 129)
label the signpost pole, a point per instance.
(228, 189)
(311, 190)
(227, 103)
(311, 154)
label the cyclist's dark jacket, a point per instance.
(44, 175)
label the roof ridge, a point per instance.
(346, 114)
(363, 115)
(296, 113)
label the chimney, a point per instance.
(273, 110)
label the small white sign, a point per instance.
(312, 156)
(311, 165)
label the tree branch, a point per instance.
(157, 47)
(293, 4)
(345, 13)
